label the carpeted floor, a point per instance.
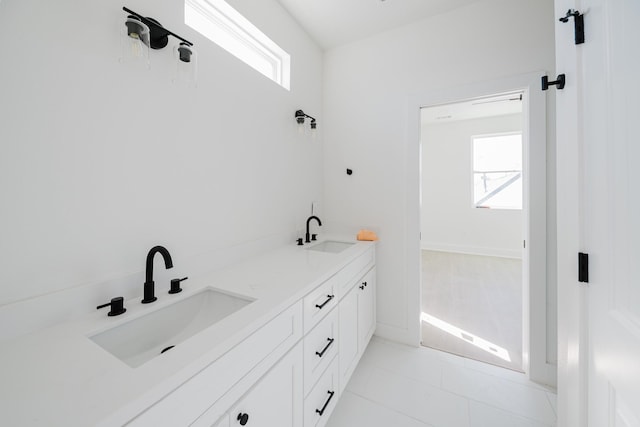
(472, 306)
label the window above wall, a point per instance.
(497, 171)
(225, 26)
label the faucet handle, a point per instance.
(314, 237)
(117, 306)
(175, 285)
(300, 241)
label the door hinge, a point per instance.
(578, 21)
(583, 267)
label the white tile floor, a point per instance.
(399, 386)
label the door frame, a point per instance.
(534, 347)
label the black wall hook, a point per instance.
(559, 83)
(578, 20)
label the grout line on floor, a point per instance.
(468, 363)
(375, 402)
(467, 398)
(553, 408)
(544, 423)
(441, 358)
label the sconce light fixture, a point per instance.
(153, 34)
(300, 116)
(143, 33)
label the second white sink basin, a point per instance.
(146, 337)
(331, 246)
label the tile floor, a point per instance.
(400, 386)
(480, 299)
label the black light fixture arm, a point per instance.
(158, 32)
(301, 115)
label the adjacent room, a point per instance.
(472, 229)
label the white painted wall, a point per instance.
(449, 222)
(99, 162)
(367, 87)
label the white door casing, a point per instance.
(571, 296)
(599, 370)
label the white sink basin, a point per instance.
(140, 340)
(331, 246)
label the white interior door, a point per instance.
(602, 349)
(611, 68)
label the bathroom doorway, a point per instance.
(538, 293)
(472, 228)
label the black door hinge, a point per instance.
(578, 21)
(583, 267)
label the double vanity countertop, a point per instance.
(59, 376)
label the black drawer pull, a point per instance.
(321, 411)
(320, 354)
(329, 298)
(243, 418)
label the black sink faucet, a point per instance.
(149, 288)
(307, 235)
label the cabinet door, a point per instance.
(366, 308)
(348, 348)
(276, 400)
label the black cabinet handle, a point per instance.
(329, 298)
(326, 347)
(321, 411)
(243, 419)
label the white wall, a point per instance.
(367, 87)
(449, 222)
(100, 162)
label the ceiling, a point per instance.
(336, 22)
(496, 105)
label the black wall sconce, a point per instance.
(142, 33)
(300, 116)
(154, 35)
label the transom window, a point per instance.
(225, 26)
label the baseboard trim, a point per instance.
(396, 334)
(470, 250)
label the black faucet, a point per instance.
(307, 235)
(149, 289)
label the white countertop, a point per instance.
(58, 376)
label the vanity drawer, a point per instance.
(319, 303)
(320, 347)
(322, 399)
